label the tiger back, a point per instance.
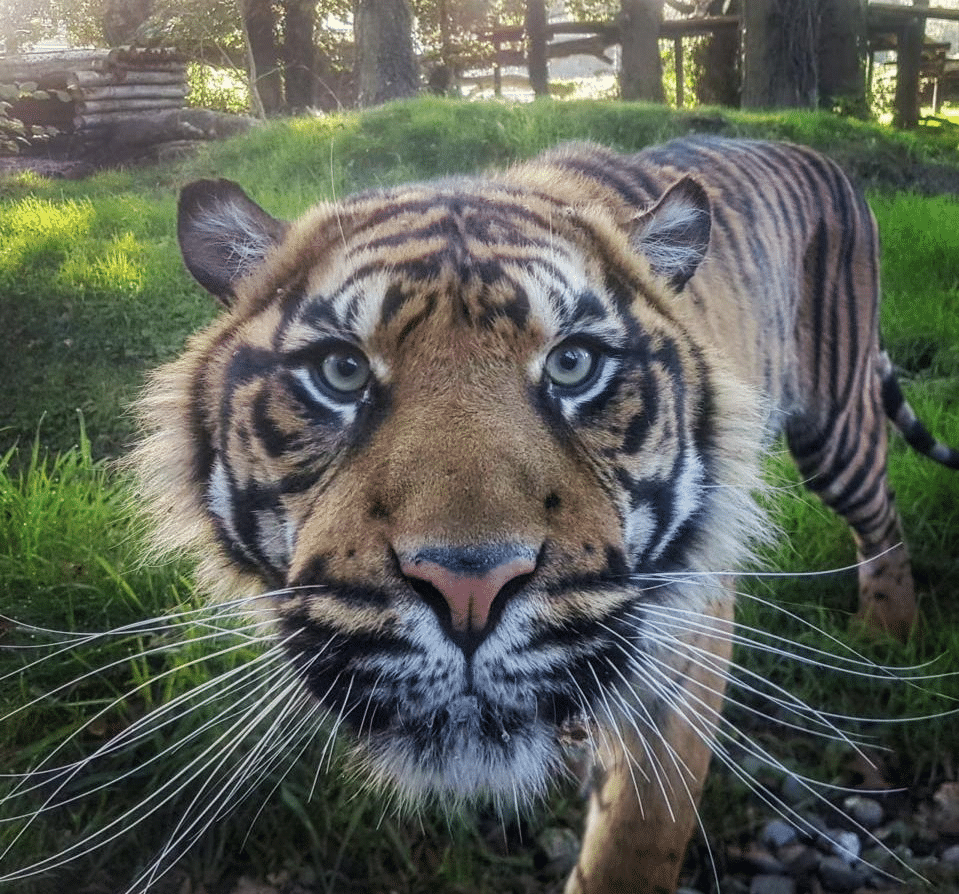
(493, 446)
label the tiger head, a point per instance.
(469, 440)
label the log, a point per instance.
(896, 11)
(33, 66)
(107, 65)
(124, 134)
(131, 91)
(146, 57)
(106, 109)
(85, 79)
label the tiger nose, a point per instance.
(469, 578)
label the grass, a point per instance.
(92, 294)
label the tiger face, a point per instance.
(468, 437)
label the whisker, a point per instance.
(724, 729)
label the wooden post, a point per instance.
(678, 67)
(536, 40)
(908, 59)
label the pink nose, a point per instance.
(470, 578)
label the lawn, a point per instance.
(93, 294)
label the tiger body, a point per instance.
(493, 446)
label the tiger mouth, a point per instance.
(468, 750)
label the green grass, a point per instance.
(92, 294)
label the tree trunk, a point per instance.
(536, 40)
(641, 74)
(780, 42)
(260, 23)
(385, 64)
(908, 62)
(717, 59)
(804, 53)
(842, 55)
(299, 53)
(121, 19)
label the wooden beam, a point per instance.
(894, 10)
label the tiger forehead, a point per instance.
(478, 261)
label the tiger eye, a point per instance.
(345, 371)
(569, 366)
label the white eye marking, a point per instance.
(344, 411)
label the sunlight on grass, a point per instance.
(38, 235)
(116, 270)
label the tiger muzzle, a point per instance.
(469, 580)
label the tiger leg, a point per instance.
(847, 469)
(643, 807)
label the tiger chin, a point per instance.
(493, 445)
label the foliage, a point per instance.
(220, 89)
(450, 32)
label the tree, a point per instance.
(841, 50)
(385, 63)
(641, 74)
(121, 19)
(259, 20)
(716, 57)
(803, 53)
(299, 52)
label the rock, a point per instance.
(946, 809)
(778, 833)
(837, 875)
(896, 833)
(762, 862)
(950, 855)
(846, 846)
(799, 859)
(867, 812)
(795, 790)
(560, 846)
(772, 884)
(558, 842)
(731, 885)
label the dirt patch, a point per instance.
(54, 168)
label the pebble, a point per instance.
(846, 846)
(868, 812)
(794, 790)
(832, 846)
(837, 875)
(799, 859)
(772, 884)
(778, 833)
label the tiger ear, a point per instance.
(224, 235)
(673, 235)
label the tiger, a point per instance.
(493, 446)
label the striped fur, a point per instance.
(566, 376)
